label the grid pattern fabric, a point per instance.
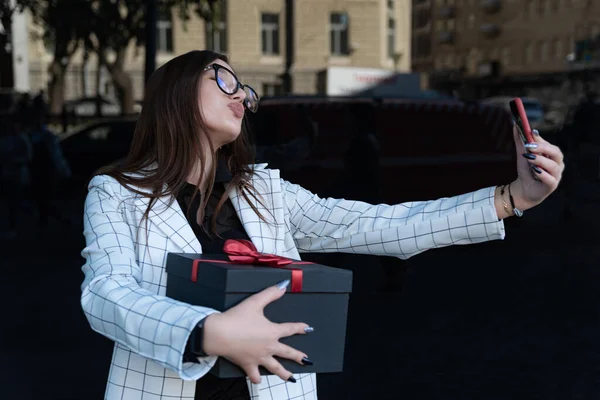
(123, 292)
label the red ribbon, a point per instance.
(244, 252)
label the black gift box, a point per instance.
(322, 303)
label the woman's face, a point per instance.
(222, 113)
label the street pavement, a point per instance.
(512, 319)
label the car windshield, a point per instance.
(532, 105)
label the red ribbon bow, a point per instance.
(244, 252)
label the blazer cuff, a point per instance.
(199, 366)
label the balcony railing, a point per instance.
(445, 37)
(491, 6)
(489, 30)
(446, 12)
(420, 19)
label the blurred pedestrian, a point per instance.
(15, 156)
(48, 167)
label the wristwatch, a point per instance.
(196, 340)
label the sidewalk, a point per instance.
(512, 319)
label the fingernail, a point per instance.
(283, 284)
(306, 361)
(529, 156)
(292, 379)
(531, 145)
(309, 329)
(535, 132)
(536, 169)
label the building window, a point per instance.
(272, 89)
(528, 53)
(269, 30)
(216, 38)
(506, 56)
(544, 51)
(421, 46)
(494, 54)
(558, 49)
(164, 32)
(391, 38)
(530, 8)
(339, 34)
(555, 5)
(571, 42)
(474, 59)
(471, 21)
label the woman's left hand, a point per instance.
(539, 172)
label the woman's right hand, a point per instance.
(244, 336)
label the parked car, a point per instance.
(418, 148)
(533, 108)
(423, 148)
(376, 150)
(387, 151)
(86, 107)
(94, 145)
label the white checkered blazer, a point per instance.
(123, 294)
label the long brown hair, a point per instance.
(170, 137)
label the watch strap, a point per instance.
(196, 340)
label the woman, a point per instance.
(186, 186)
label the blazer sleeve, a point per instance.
(115, 304)
(402, 230)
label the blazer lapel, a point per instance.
(268, 237)
(171, 221)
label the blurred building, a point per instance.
(262, 46)
(502, 37)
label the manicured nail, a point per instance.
(292, 379)
(306, 361)
(535, 132)
(536, 169)
(283, 284)
(529, 156)
(531, 145)
(309, 329)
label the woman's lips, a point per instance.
(238, 109)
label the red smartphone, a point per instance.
(520, 117)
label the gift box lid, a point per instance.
(227, 276)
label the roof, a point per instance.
(322, 99)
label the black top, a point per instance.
(228, 226)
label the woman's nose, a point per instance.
(240, 95)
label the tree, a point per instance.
(8, 8)
(107, 28)
(66, 28)
(117, 24)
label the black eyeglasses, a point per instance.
(229, 84)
